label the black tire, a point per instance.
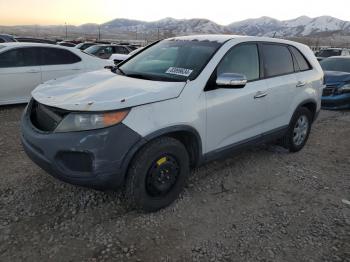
(142, 183)
(288, 140)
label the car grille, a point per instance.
(45, 118)
(328, 91)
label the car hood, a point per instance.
(103, 90)
(336, 78)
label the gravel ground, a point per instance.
(262, 204)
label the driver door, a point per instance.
(236, 115)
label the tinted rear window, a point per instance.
(277, 60)
(58, 56)
(301, 61)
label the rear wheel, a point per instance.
(298, 130)
(157, 174)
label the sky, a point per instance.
(76, 12)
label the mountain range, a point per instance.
(263, 26)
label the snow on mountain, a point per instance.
(301, 26)
(258, 26)
(263, 26)
(170, 25)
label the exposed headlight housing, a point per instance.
(344, 89)
(90, 121)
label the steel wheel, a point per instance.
(162, 176)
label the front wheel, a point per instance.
(298, 130)
(157, 174)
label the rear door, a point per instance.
(20, 73)
(59, 62)
(281, 81)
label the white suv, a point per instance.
(179, 103)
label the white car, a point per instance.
(178, 104)
(105, 51)
(23, 66)
(118, 58)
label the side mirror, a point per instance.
(231, 80)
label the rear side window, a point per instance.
(58, 56)
(277, 60)
(301, 61)
(2, 40)
(243, 59)
(19, 57)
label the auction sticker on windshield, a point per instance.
(179, 71)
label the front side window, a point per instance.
(19, 57)
(171, 60)
(58, 56)
(243, 59)
(277, 60)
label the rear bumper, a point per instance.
(92, 158)
(336, 102)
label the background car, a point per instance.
(336, 95)
(83, 46)
(67, 44)
(34, 40)
(106, 51)
(118, 58)
(328, 52)
(23, 66)
(5, 38)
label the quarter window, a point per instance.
(277, 60)
(58, 56)
(243, 59)
(301, 61)
(19, 57)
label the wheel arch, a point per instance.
(311, 105)
(187, 135)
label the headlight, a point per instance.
(89, 121)
(344, 89)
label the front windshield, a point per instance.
(171, 60)
(329, 52)
(336, 64)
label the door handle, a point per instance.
(301, 84)
(32, 71)
(260, 94)
(76, 69)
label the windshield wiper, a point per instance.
(114, 69)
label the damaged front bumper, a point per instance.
(94, 158)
